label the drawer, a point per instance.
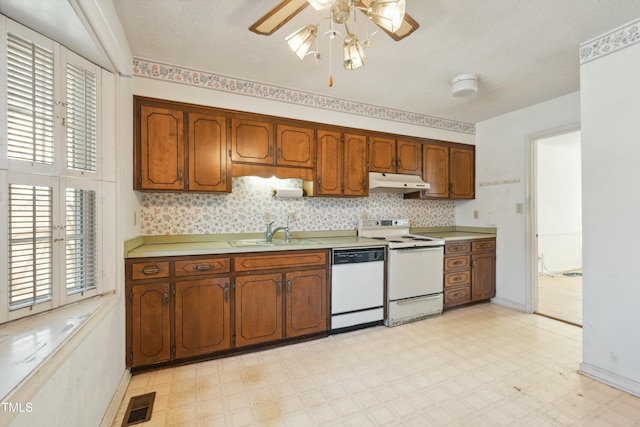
(274, 262)
(457, 296)
(456, 279)
(149, 270)
(483, 245)
(199, 267)
(457, 248)
(457, 262)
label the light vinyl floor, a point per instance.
(482, 365)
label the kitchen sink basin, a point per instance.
(274, 242)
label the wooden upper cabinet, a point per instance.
(462, 173)
(252, 141)
(355, 162)
(395, 156)
(296, 146)
(208, 166)
(341, 168)
(409, 157)
(382, 155)
(160, 149)
(435, 164)
(179, 148)
(329, 164)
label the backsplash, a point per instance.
(243, 210)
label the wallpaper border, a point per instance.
(610, 42)
(176, 74)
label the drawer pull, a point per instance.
(278, 288)
(226, 292)
(150, 270)
(457, 263)
(202, 267)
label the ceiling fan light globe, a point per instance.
(389, 14)
(300, 41)
(320, 4)
(354, 56)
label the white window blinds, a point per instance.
(30, 245)
(81, 119)
(30, 101)
(81, 240)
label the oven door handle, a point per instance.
(418, 248)
(417, 299)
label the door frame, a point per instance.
(531, 212)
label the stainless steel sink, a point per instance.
(274, 242)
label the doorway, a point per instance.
(558, 227)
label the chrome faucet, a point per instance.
(271, 233)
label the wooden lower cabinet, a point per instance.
(258, 310)
(469, 271)
(150, 330)
(306, 308)
(202, 316)
(191, 306)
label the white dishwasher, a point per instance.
(357, 288)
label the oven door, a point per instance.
(414, 272)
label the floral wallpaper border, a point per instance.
(177, 74)
(613, 41)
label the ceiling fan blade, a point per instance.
(408, 26)
(278, 16)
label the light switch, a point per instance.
(475, 214)
(519, 208)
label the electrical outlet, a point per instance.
(475, 214)
(519, 208)
(292, 216)
(267, 217)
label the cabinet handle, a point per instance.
(271, 151)
(393, 162)
(148, 271)
(202, 267)
(180, 175)
(224, 177)
(289, 287)
(457, 263)
(399, 163)
(279, 152)
(278, 288)
(165, 299)
(226, 292)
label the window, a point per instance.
(52, 177)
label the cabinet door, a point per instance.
(161, 163)
(409, 155)
(382, 155)
(150, 327)
(258, 309)
(306, 302)
(202, 319)
(208, 153)
(483, 276)
(252, 141)
(296, 146)
(462, 173)
(329, 165)
(435, 164)
(355, 165)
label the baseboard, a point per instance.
(110, 415)
(509, 304)
(610, 378)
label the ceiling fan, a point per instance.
(287, 9)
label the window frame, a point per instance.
(57, 176)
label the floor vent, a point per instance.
(139, 409)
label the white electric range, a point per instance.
(414, 270)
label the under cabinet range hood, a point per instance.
(395, 183)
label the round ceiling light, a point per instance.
(464, 85)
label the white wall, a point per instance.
(502, 155)
(559, 202)
(611, 216)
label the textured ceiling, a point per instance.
(524, 52)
